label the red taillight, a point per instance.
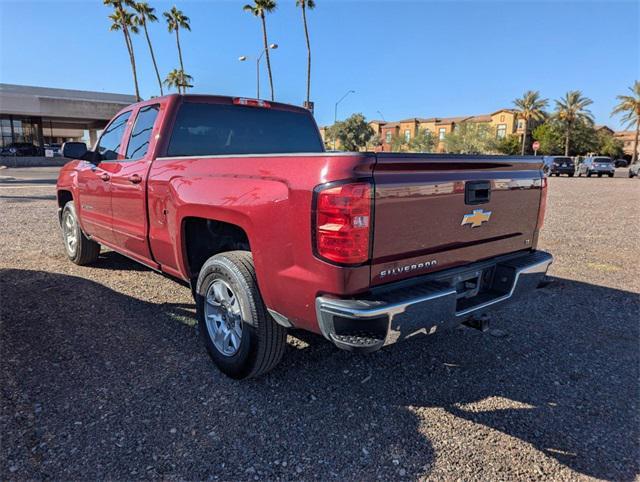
(543, 203)
(342, 223)
(251, 102)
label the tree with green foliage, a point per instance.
(259, 9)
(353, 133)
(470, 138)
(399, 143)
(178, 79)
(609, 145)
(374, 142)
(509, 145)
(145, 14)
(423, 141)
(629, 106)
(122, 20)
(552, 138)
(175, 21)
(571, 111)
(530, 107)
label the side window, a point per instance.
(111, 139)
(141, 133)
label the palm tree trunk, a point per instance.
(306, 34)
(153, 57)
(567, 136)
(524, 135)
(266, 50)
(132, 59)
(634, 156)
(184, 88)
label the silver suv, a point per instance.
(597, 165)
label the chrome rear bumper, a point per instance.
(401, 310)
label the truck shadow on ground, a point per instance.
(97, 384)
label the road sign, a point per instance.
(536, 146)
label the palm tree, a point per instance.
(258, 9)
(145, 14)
(175, 21)
(630, 106)
(571, 110)
(178, 79)
(123, 20)
(304, 4)
(530, 107)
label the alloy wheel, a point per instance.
(223, 317)
(70, 233)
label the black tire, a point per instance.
(599, 175)
(630, 174)
(84, 251)
(588, 174)
(570, 174)
(263, 341)
(610, 175)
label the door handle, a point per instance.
(104, 176)
(135, 179)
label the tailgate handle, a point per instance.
(477, 192)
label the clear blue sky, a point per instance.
(404, 59)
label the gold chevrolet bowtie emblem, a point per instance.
(476, 218)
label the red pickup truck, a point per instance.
(239, 198)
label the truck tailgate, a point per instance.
(434, 212)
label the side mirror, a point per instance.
(76, 150)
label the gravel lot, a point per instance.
(102, 374)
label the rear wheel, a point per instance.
(611, 175)
(570, 174)
(241, 337)
(80, 249)
(599, 174)
(588, 174)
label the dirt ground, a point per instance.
(102, 373)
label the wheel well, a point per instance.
(64, 197)
(204, 238)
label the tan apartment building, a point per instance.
(504, 122)
(628, 139)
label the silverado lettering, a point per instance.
(413, 267)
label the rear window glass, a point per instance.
(602, 159)
(215, 129)
(562, 160)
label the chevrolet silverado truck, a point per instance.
(238, 198)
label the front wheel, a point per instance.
(570, 174)
(241, 337)
(610, 175)
(80, 249)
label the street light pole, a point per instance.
(335, 113)
(258, 58)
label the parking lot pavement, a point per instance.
(102, 374)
